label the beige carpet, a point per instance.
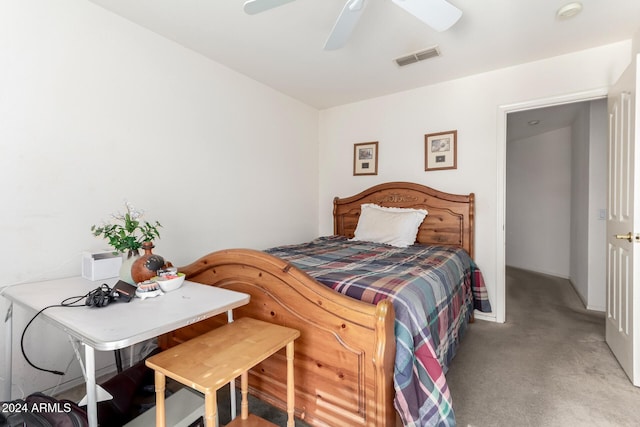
(548, 365)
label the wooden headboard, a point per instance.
(449, 221)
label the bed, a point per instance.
(345, 358)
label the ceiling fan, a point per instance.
(438, 14)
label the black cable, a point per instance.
(65, 303)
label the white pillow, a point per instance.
(392, 226)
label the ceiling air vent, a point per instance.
(432, 52)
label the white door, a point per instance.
(623, 227)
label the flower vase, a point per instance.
(147, 266)
(127, 263)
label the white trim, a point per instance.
(503, 110)
(541, 271)
(584, 303)
(479, 315)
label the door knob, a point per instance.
(628, 236)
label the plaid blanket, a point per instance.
(433, 289)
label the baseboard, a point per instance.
(596, 308)
(575, 289)
(584, 303)
(546, 273)
(489, 317)
(573, 286)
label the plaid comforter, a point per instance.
(433, 290)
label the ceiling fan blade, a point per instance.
(438, 14)
(256, 6)
(345, 24)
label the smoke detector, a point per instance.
(569, 10)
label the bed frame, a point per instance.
(344, 357)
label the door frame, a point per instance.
(501, 191)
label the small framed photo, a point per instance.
(365, 158)
(440, 150)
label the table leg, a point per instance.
(232, 384)
(92, 400)
(160, 383)
(244, 387)
(290, 387)
(8, 352)
(118, 357)
(210, 409)
(131, 353)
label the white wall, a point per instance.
(539, 203)
(598, 167)
(471, 105)
(95, 110)
(589, 200)
(580, 202)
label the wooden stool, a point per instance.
(211, 360)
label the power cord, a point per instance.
(68, 302)
(53, 391)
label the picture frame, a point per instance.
(365, 158)
(441, 150)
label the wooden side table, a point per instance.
(211, 360)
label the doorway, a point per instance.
(503, 116)
(556, 190)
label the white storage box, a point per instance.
(101, 265)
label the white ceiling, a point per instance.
(283, 47)
(547, 118)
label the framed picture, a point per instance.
(440, 150)
(365, 158)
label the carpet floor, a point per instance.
(547, 365)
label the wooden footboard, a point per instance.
(345, 354)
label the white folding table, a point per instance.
(119, 324)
